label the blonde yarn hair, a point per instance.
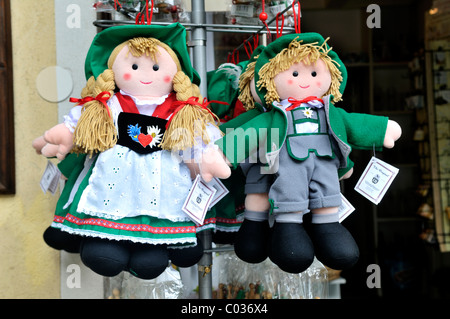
(95, 130)
(298, 52)
(245, 95)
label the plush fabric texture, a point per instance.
(281, 43)
(357, 130)
(173, 35)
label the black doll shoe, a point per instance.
(148, 261)
(291, 248)
(252, 241)
(334, 245)
(103, 256)
(186, 257)
(61, 240)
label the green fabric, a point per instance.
(71, 168)
(244, 139)
(275, 47)
(227, 212)
(356, 130)
(223, 85)
(70, 163)
(174, 35)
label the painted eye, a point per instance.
(134, 66)
(314, 73)
(295, 74)
(156, 67)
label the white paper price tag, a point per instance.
(375, 180)
(50, 178)
(345, 209)
(198, 200)
(221, 191)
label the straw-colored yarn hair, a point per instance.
(95, 131)
(245, 95)
(298, 52)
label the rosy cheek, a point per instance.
(290, 82)
(167, 79)
(127, 76)
(319, 84)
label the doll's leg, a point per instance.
(334, 245)
(103, 256)
(186, 257)
(252, 238)
(290, 247)
(148, 261)
(61, 240)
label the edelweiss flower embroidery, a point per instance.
(155, 133)
(308, 112)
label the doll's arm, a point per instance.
(393, 133)
(214, 164)
(57, 141)
(207, 159)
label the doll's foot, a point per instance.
(61, 240)
(252, 241)
(148, 261)
(291, 248)
(334, 245)
(186, 257)
(105, 257)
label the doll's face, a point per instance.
(301, 81)
(141, 76)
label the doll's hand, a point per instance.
(58, 141)
(347, 175)
(214, 164)
(393, 133)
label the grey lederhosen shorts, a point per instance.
(305, 185)
(255, 182)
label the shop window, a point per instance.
(7, 163)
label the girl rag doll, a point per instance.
(145, 133)
(307, 143)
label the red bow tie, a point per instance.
(295, 103)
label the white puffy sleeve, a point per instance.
(71, 119)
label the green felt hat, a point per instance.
(223, 83)
(174, 35)
(275, 47)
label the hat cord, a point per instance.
(147, 18)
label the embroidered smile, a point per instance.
(146, 82)
(304, 87)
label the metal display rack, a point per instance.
(198, 29)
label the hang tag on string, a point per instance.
(221, 191)
(345, 209)
(199, 200)
(50, 178)
(376, 180)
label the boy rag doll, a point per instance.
(306, 143)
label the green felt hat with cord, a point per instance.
(174, 35)
(224, 83)
(284, 42)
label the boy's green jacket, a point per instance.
(266, 131)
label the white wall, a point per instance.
(74, 34)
